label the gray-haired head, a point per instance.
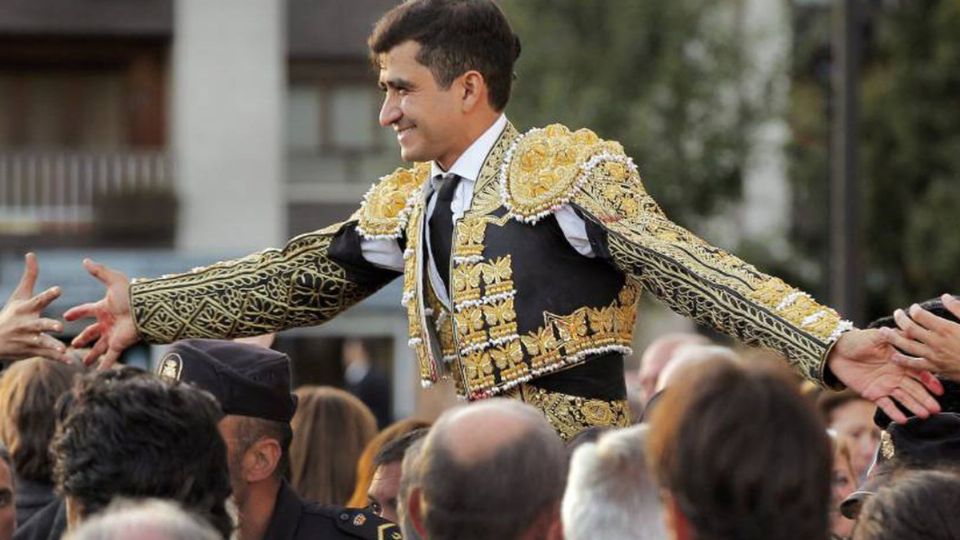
(610, 492)
(152, 519)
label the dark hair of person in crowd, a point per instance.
(366, 466)
(455, 36)
(128, 433)
(330, 430)
(29, 390)
(393, 451)
(742, 456)
(919, 504)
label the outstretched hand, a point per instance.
(114, 329)
(928, 341)
(863, 360)
(22, 330)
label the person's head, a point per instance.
(330, 430)
(843, 482)
(252, 385)
(920, 504)
(29, 391)
(610, 492)
(127, 433)
(851, 417)
(446, 67)
(689, 357)
(8, 514)
(366, 466)
(740, 454)
(385, 486)
(153, 519)
(490, 470)
(658, 354)
(409, 478)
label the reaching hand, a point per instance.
(114, 329)
(930, 342)
(21, 327)
(862, 359)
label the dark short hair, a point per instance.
(251, 430)
(393, 451)
(743, 455)
(455, 36)
(29, 391)
(919, 504)
(128, 433)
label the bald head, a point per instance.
(493, 469)
(660, 353)
(476, 433)
(687, 358)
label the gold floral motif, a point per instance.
(541, 346)
(383, 210)
(509, 361)
(470, 235)
(478, 370)
(569, 415)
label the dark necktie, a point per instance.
(441, 227)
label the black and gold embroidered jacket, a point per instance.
(524, 304)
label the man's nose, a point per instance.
(389, 112)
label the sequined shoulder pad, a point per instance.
(386, 206)
(545, 167)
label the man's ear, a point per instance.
(261, 460)
(415, 509)
(473, 88)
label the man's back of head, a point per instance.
(127, 433)
(153, 519)
(741, 456)
(491, 470)
(610, 492)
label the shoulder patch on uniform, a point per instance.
(170, 367)
(544, 168)
(362, 524)
(386, 206)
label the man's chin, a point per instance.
(412, 155)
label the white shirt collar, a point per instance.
(469, 163)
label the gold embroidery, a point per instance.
(887, 449)
(386, 206)
(265, 292)
(699, 280)
(569, 415)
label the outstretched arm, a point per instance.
(22, 329)
(928, 341)
(312, 279)
(717, 289)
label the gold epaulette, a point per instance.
(545, 167)
(386, 206)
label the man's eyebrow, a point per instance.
(397, 83)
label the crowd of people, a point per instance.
(522, 258)
(216, 443)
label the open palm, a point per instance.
(114, 329)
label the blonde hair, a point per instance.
(330, 430)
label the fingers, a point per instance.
(892, 411)
(39, 302)
(905, 344)
(109, 359)
(102, 273)
(914, 363)
(915, 397)
(95, 353)
(926, 319)
(49, 346)
(88, 334)
(929, 381)
(29, 278)
(910, 327)
(82, 311)
(44, 325)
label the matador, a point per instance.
(522, 254)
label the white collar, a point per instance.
(469, 163)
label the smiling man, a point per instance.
(523, 255)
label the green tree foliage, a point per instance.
(663, 77)
(909, 150)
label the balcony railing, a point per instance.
(59, 190)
